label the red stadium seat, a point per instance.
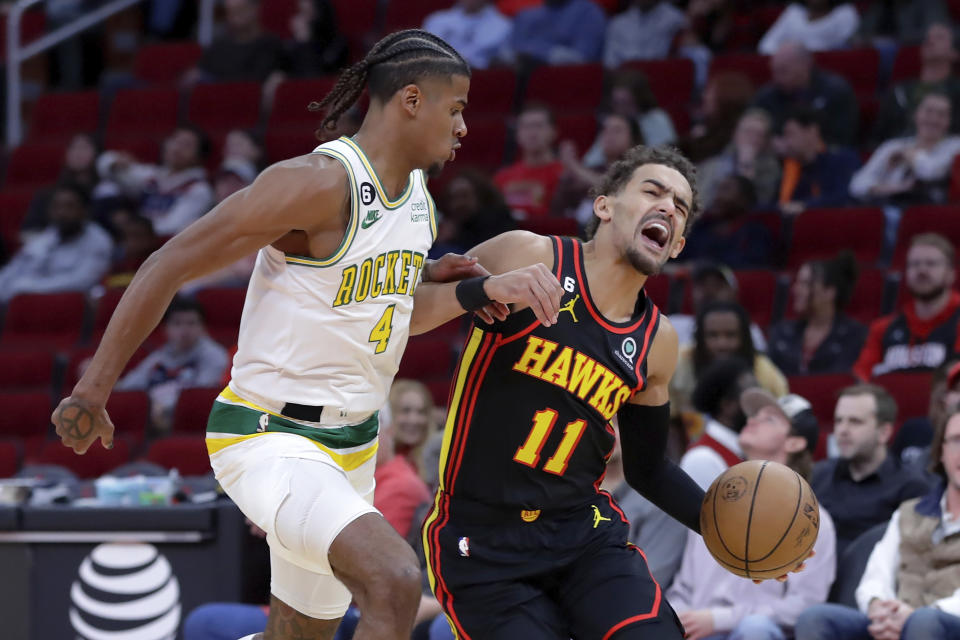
(290, 104)
(923, 219)
(821, 391)
(550, 226)
(757, 292)
(224, 106)
(859, 229)
(658, 288)
(143, 148)
(35, 164)
(129, 411)
(143, 112)
(96, 462)
(275, 16)
(860, 67)
(14, 204)
(51, 319)
(285, 144)
(223, 308)
(30, 370)
(579, 127)
(439, 390)
(426, 357)
(58, 116)
(165, 63)
(76, 357)
(25, 414)
(356, 18)
(9, 459)
(483, 147)
(410, 15)
(906, 64)
(670, 80)
(569, 88)
(105, 307)
(186, 454)
(910, 389)
(753, 65)
(491, 92)
(193, 408)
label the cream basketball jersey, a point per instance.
(330, 332)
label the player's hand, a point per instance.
(533, 286)
(79, 423)
(696, 624)
(453, 267)
(798, 569)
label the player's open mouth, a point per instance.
(656, 234)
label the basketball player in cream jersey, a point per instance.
(341, 280)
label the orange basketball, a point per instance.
(760, 519)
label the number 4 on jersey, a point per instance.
(381, 331)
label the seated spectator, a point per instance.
(722, 330)
(618, 134)
(910, 588)
(727, 233)
(911, 444)
(79, 168)
(819, 25)
(937, 57)
(660, 536)
(528, 185)
(814, 175)
(923, 334)
(711, 601)
(400, 491)
(172, 195)
(190, 358)
(865, 484)
(471, 211)
(71, 254)
(245, 145)
(711, 282)
(317, 46)
(749, 154)
(243, 52)
(796, 82)
(712, 22)
(901, 23)
(137, 242)
(645, 31)
(723, 101)
(630, 95)
(822, 338)
(411, 410)
(915, 169)
(558, 32)
(717, 399)
(474, 28)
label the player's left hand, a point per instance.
(452, 267)
(696, 624)
(798, 569)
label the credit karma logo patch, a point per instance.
(125, 592)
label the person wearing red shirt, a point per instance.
(399, 489)
(528, 185)
(923, 334)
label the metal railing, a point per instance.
(17, 53)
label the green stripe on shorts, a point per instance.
(231, 418)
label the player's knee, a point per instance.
(394, 586)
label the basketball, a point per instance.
(760, 519)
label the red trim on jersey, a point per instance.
(706, 440)
(647, 342)
(614, 506)
(589, 304)
(459, 434)
(443, 593)
(653, 613)
(557, 270)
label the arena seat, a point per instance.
(58, 116)
(9, 459)
(410, 15)
(911, 390)
(186, 454)
(425, 357)
(906, 64)
(485, 143)
(28, 370)
(193, 408)
(224, 105)
(223, 308)
(859, 229)
(35, 164)
(48, 319)
(290, 103)
(25, 414)
(753, 65)
(14, 203)
(129, 411)
(670, 79)
(491, 92)
(165, 63)
(860, 67)
(567, 88)
(923, 219)
(821, 391)
(143, 112)
(96, 462)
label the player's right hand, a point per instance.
(533, 286)
(79, 423)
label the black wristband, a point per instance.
(470, 293)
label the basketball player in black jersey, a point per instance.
(521, 543)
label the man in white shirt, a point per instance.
(910, 589)
(715, 604)
(645, 31)
(474, 28)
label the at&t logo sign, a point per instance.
(125, 592)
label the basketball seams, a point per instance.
(753, 501)
(786, 532)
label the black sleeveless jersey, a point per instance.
(529, 418)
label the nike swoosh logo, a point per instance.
(370, 220)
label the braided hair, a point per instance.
(395, 61)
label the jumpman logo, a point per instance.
(597, 518)
(569, 307)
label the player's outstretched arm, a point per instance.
(520, 265)
(644, 427)
(306, 193)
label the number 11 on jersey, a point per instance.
(543, 421)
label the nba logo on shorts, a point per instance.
(464, 546)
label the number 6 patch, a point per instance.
(366, 193)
